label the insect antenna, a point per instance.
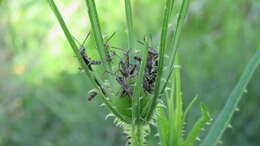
(109, 38)
(86, 38)
(118, 48)
(77, 41)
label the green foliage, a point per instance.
(43, 96)
(171, 126)
(138, 94)
(197, 128)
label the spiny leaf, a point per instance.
(189, 106)
(197, 128)
(163, 127)
(226, 114)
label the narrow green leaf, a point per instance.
(226, 114)
(197, 128)
(130, 26)
(161, 57)
(70, 40)
(138, 86)
(174, 42)
(95, 25)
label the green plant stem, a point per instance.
(226, 114)
(137, 135)
(71, 40)
(94, 20)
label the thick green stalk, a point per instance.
(137, 135)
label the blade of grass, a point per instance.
(197, 128)
(161, 58)
(95, 25)
(75, 49)
(178, 117)
(130, 26)
(226, 114)
(174, 42)
(172, 5)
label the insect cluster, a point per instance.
(128, 72)
(127, 69)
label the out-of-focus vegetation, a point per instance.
(43, 96)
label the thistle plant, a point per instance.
(144, 86)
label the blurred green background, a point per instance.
(43, 96)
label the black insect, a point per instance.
(92, 95)
(139, 59)
(124, 85)
(85, 57)
(151, 68)
(99, 85)
(126, 68)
